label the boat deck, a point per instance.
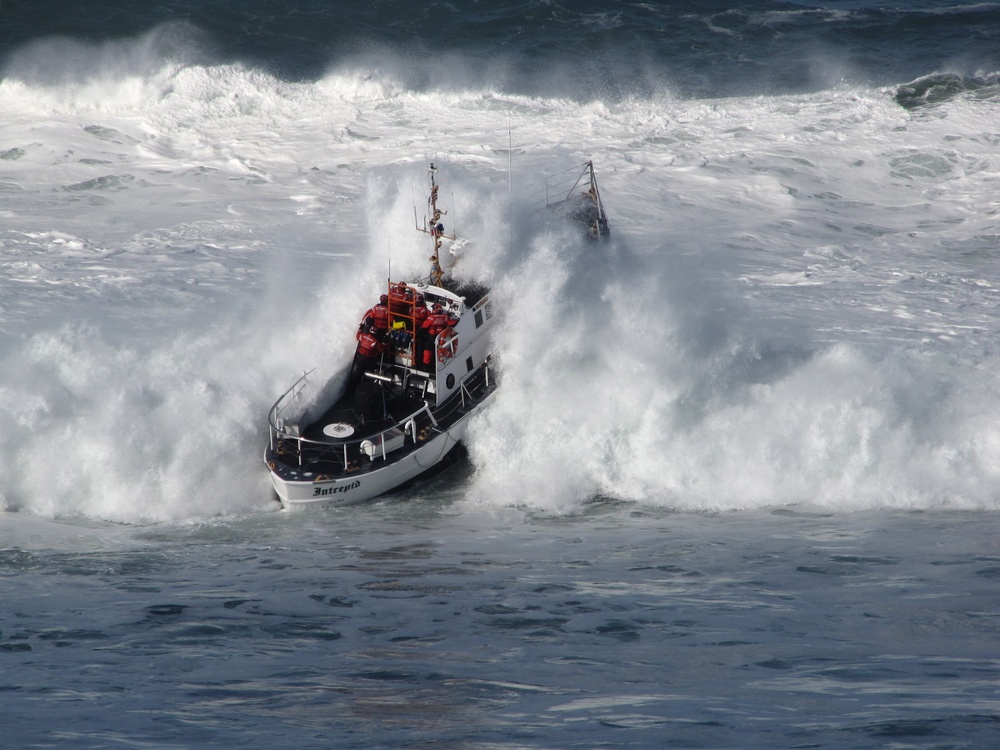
(345, 441)
(345, 412)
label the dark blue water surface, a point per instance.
(584, 49)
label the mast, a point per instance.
(436, 229)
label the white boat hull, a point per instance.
(365, 485)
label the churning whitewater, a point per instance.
(799, 306)
(738, 486)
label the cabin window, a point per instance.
(479, 318)
(468, 364)
(449, 381)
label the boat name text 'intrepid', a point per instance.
(331, 490)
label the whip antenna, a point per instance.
(510, 152)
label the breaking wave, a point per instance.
(671, 367)
(612, 389)
(938, 88)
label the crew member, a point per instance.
(377, 318)
(400, 298)
(419, 317)
(435, 322)
(371, 346)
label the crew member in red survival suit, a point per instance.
(371, 346)
(435, 322)
(400, 298)
(420, 316)
(377, 318)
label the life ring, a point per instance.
(447, 344)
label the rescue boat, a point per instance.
(421, 372)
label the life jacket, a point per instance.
(435, 323)
(376, 318)
(401, 298)
(369, 345)
(380, 317)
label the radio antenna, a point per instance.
(510, 152)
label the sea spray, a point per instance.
(797, 304)
(619, 383)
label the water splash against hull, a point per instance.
(797, 307)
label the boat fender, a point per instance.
(447, 344)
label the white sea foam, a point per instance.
(797, 305)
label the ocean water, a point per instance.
(740, 488)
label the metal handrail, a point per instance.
(555, 184)
(338, 442)
(272, 415)
(340, 450)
